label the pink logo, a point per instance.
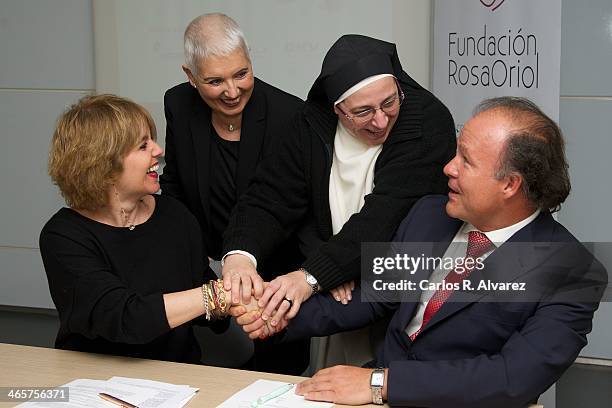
(492, 4)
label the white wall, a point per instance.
(585, 115)
(48, 50)
(139, 43)
(46, 65)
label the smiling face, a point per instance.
(225, 83)
(476, 195)
(375, 131)
(139, 176)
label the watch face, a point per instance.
(311, 279)
(378, 378)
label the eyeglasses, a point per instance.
(389, 107)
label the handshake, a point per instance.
(265, 308)
(250, 317)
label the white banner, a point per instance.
(487, 48)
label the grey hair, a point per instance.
(534, 149)
(213, 34)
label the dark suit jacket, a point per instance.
(188, 139)
(477, 351)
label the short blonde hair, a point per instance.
(89, 144)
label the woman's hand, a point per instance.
(283, 297)
(343, 292)
(253, 324)
(241, 277)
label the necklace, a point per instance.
(124, 214)
(229, 127)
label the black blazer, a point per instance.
(188, 139)
(477, 351)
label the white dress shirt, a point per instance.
(457, 249)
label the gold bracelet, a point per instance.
(210, 297)
(205, 299)
(217, 290)
(213, 296)
(221, 295)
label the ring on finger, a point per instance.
(289, 300)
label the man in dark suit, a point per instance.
(463, 345)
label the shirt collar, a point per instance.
(498, 237)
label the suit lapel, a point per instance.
(439, 229)
(251, 139)
(524, 251)
(492, 271)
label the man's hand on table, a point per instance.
(341, 385)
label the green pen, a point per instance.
(270, 396)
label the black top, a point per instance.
(189, 149)
(223, 196)
(107, 282)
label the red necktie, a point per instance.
(478, 245)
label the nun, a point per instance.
(367, 144)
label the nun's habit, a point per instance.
(291, 191)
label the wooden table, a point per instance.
(25, 366)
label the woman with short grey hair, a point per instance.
(219, 125)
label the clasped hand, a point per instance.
(280, 302)
(277, 301)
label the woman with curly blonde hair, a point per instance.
(126, 268)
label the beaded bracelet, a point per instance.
(221, 294)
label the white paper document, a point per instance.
(166, 396)
(143, 393)
(248, 396)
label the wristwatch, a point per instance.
(311, 281)
(377, 380)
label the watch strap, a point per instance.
(316, 288)
(377, 397)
